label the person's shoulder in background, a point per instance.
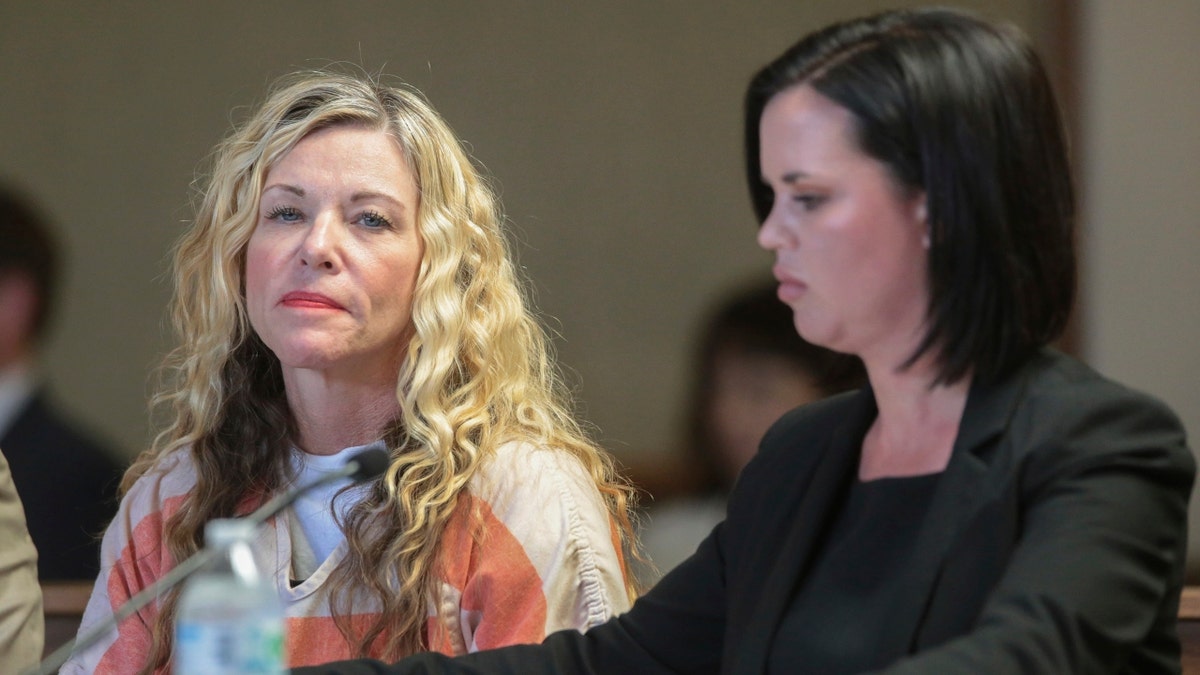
(67, 478)
(21, 623)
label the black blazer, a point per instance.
(67, 482)
(1055, 543)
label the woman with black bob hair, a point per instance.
(962, 112)
(986, 504)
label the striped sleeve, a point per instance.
(131, 558)
(529, 551)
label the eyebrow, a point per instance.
(793, 176)
(371, 194)
(356, 197)
(298, 191)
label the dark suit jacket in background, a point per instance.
(68, 483)
(1055, 543)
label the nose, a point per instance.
(772, 234)
(321, 247)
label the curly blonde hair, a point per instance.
(477, 372)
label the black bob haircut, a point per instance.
(28, 246)
(961, 109)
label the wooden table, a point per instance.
(62, 604)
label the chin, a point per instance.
(809, 331)
(315, 364)
(307, 356)
(821, 336)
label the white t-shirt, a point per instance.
(315, 531)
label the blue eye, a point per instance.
(286, 214)
(374, 220)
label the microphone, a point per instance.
(364, 466)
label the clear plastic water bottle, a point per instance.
(230, 618)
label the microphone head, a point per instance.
(369, 464)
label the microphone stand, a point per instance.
(364, 466)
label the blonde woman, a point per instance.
(346, 283)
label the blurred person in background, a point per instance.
(67, 478)
(750, 368)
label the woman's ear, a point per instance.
(921, 216)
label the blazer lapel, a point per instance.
(817, 505)
(961, 490)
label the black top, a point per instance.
(840, 605)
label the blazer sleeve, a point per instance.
(1098, 566)
(675, 628)
(681, 625)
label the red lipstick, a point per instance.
(305, 299)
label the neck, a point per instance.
(917, 425)
(18, 382)
(333, 414)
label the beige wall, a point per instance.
(612, 130)
(1141, 97)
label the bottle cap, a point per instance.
(222, 532)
